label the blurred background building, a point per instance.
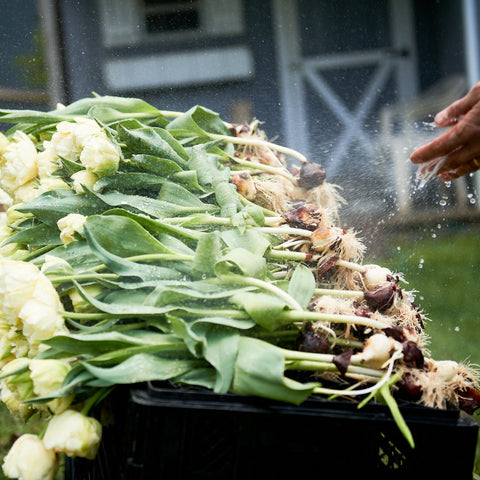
(353, 85)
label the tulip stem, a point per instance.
(96, 398)
(257, 142)
(332, 317)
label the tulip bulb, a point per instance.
(374, 275)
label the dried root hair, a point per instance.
(438, 393)
(338, 242)
(260, 153)
(408, 316)
(273, 193)
(325, 195)
(334, 305)
(345, 278)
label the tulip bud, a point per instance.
(83, 178)
(47, 377)
(28, 459)
(100, 156)
(79, 303)
(74, 434)
(63, 141)
(69, 225)
(56, 265)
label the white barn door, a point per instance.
(338, 64)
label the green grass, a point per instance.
(448, 291)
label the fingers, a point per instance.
(441, 146)
(465, 134)
(459, 157)
(454, 112)
(453, 154)
(469, 167)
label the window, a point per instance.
(127, 22)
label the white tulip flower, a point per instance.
(100, 156)
(18, 164)
(69, 225)
(84, 129)
(70, 137)
(74, 434)
(41, 321)
(17, 282)
(29, 302)
(83, 178)
(47, 377)
(63, 142)
(28, 459)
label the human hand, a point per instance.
(455, 152)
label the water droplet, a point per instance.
(399, 247)
(448, 184)
(457, 328)
(434, 235)
(439, 226)
(443, 202)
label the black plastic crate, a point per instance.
(178, 434)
